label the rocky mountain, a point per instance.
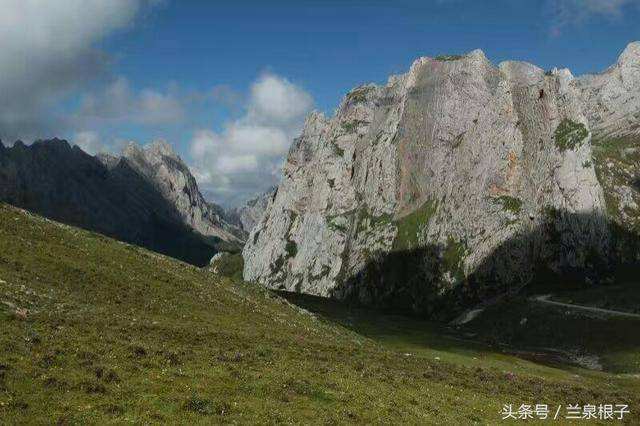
(146, 197)
(456, 183)
(162, 167)
(250, 213)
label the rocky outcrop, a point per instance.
(146, 197)
(249, 214)
(451, 184)
(612, 103)
(162, 167)
(612, 98)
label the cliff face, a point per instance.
(612, 104)
(455, 182)
(249, 214)
(164, 169)
(147, 197)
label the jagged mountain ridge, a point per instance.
(146, 197)
(458, 172)
(249, 213)
(164, 168)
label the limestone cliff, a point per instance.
(250, 213)
(453, 183)
(164, 169)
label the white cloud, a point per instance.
(247, 154)
(89, 142)
(276, 100)
(234, 164)
(119, 102)
(566, 13)
(46, 49)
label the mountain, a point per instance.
(456, 183)
(162, 167)
(250, 213)
(93, 331)
(146, 197)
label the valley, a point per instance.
(98, 331)
(319, 212)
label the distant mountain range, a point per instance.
(146, 196)
(250, 213)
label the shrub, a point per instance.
(230, 266)
(291, 248)
(359, 95)
(512, 204)
(569, 135)
(448, 57)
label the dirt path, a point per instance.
(545, 300)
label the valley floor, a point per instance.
(93, 331)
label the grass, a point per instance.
(291, 248)
(615, 161)
(231, 266)
(624, 297)
(359, 94)
(409, 226)
(338, 223)
(448, 57)
(337, 150)
(569, 135)
(614, 151)
(483, 344)
(511, 204)
(366, 222)
(116, 334)
(527, 324)
(352, 126)
(453, 258)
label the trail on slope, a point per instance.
(544, 299)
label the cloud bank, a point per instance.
(118, 102)
(246, 156)
(46, 50)
(568, 13)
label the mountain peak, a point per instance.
(161, 147)
(439, 161)
(477, 53)
(631, 54)
(131, 149)
(55, 142)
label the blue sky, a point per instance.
(228, 83)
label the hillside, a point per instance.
(146, 197)
(93, 331)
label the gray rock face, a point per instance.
(162, 167)
(612, 98)
(451, 184)
(612, 101)
(248, 215)
(147, 197)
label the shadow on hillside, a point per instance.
(567, 252)
(392, 296)
(389, 327)
(549, 336)
(65, 184)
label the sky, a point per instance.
(229, 83)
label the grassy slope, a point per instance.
(117, 334)
(624, 297)
(527, 324)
